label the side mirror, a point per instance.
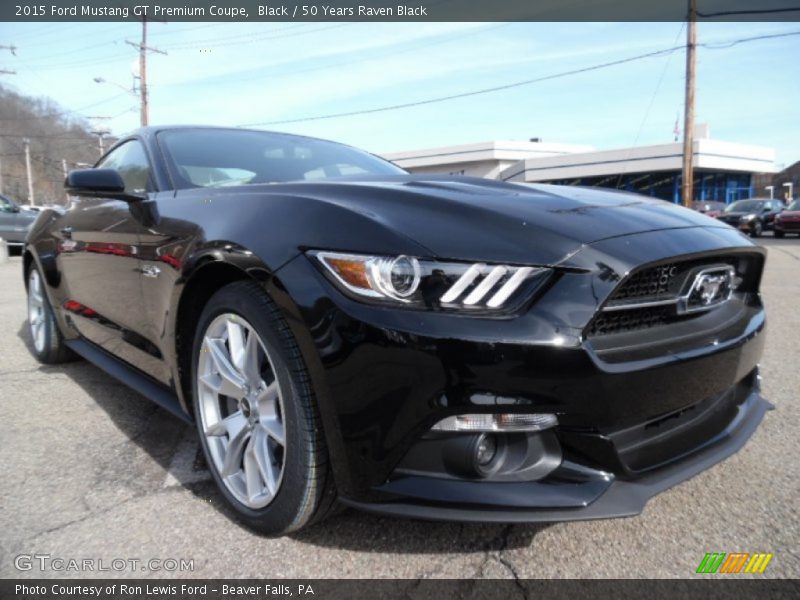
(13, 208)
(98, 183)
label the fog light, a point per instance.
(485, 450)
(500, 422)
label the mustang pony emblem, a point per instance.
(711, 287)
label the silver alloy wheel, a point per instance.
(241, 410)
(36, 308)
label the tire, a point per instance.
(273, 486)
(778, 234)
(46, 339)
(757, 230)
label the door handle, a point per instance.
(66, 232)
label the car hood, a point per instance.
(480, 219)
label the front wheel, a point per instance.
(757, 229)
(256, 413)
(46, 339)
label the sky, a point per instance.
(263, 73)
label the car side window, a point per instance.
(5, 205)
(130, 161)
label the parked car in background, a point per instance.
(14, 222)
(788, 221)
(30, 207)
(753, 216)
(709, 208)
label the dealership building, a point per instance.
(724, 171)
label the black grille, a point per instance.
(630, 320)
(663, 281)
(656, 284)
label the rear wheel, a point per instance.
(256, 414)
(46, 339)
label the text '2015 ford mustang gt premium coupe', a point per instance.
(427, 346)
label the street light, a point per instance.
(789, 185)
(115, 84)
(771, 190)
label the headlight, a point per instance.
(419, 283)
(748, 218)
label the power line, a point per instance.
(115, 41)
(187, 29)
(242, 38)
(43, 136)
(765, 11)
(508, 86)
(649, 106)
(371, 57)
(67, 112)
(731, 44)
(83, 63)
(237, 40)
(48, 30)
(489, 90)
(110, 41)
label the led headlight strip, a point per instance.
(410, 280)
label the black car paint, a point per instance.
(383, 376)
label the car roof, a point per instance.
(154, 129)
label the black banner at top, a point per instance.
(394, 10)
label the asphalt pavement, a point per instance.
(91, 470)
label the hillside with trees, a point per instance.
(54, 134)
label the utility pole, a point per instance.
(688, 113)
(100, 145)
(143, 74)
(143, 50)
(66, 172)
(31, 199)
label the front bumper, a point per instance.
(383, 377)
(600, 497)
(788, 226)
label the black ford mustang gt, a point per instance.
(428, 346)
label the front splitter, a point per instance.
(622, 498)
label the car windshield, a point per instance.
(745, 206)
(794, 205)
(224, 157)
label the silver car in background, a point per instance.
(14, 222)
